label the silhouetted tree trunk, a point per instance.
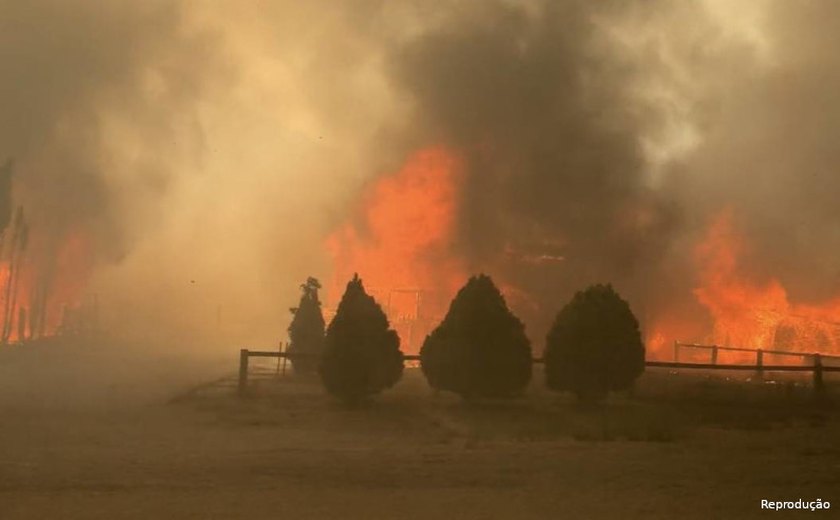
(14, 267)
(21, 325)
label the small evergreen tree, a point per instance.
(306, 332)
(362, 354)
(594, 345)
(480, 348)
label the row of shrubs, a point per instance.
(479, 349)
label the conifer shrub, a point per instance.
(480, 348)
(306, 332)
(362, 353)
(594, 345)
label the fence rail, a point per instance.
(759, 352)
(817, 368)
(719, 366)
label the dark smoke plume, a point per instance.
(79, 78)
(557, 195)
(556, 105)
(769, 151)
(220, 142)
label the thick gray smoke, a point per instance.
(189, 145)
(768, 150)
(603, 137)
(545, 109)
(73, 71)
(208, 148)
(97, 102)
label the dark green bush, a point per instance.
(480, 348)
(362, 354)
(306, 332)
(594, 345)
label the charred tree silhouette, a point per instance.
(6, 194)
(17, 249)
(480, 348)
(21, 324)
(306, 332)
(594, 346)
(362, 354)
(13, 244)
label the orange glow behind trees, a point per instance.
(51, 282)
(401, 241)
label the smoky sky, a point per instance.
(769, 151)
(554, 113)
(71, 69)
(209, 147)
(546, 116)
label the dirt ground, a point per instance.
(118, 436)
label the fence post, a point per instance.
(714, 354)
(284, 349)
(243, 370)
(279, 351)
(819, 386)
(676, 351)
(759, 363)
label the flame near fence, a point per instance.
(817, 358)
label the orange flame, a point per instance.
(402, 241)
(55, 283)
(746, 312)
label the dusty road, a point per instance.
(116, 447)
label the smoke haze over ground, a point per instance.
(206, 149)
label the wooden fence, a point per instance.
(282, 358)
(817, 368)
(758, 352)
